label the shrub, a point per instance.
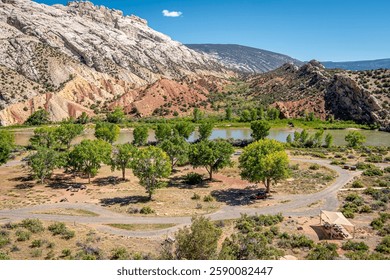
(120, 254)
(60, 229)
(365, 209)
(384, 245)
(36, 243)
(355, 246)
(4, 256)
(382, 183)
(323, 251)
(36, 253)
(373, 172)
(364, 166)
(4, 238)
(146, 210)
(208, 198)
(66, 253)
(193, 178)
(195, 196)
(374, 158)
(22, 235)
(348, 213)
(33, 225)
(314, 166)
(57, 228)
(357, 184)
(355, 199)
(387, 169)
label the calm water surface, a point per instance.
(373, 138)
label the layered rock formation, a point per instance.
(83, 55)
(359, 96)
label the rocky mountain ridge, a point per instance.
(347, 95)
(83, 56)
(245, 59)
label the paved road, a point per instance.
(296, 207)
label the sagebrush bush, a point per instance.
(33, 225)
(146, 210)
(193, 178)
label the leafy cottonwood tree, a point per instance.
(45, 136)
(65, 133)
(184, 129)
(7, 141)
(122, 158)
(205, 130)
(176, 148)
(163, 131)
(151, 165)
(328, 140)
(107, 131)
(116, 116)
(140, 135)
(39, 117)
(43, 162)
(260, 129)
(354, 139)
(264, 161)
(88, 156)
(213, 155)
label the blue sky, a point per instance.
(337, 30)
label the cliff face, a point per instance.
(83, 55)
(362, 96)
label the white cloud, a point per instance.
(167, 13)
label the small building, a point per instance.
(337, 225)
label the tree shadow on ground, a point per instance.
(63, 181)
(235, 197)
(107, 181)
(180, 183)
(123, 201)
(24, 186)
(22, 178)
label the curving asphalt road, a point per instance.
(295, 207)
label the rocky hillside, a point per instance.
(75, 58)
(245, 59)
(359, 65)
(348, 95)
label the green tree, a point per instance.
(151, 165)
(7, 142)
(176, 148)
(205, 130)
(163, 131)
(289, 139)
(328, 140)
(354, 139)
(213, 155)
(107, 131)
(245, 116)
(317, 138)
(43, 162)
(39, 117)
(184, 129)
(197, 115)
(116, 116)
(228, 114)
(273, 113)
(88, 156)
(199, 242)
(264, 161)
(65, 133)
(140, 135)
(83, 118)
(260, 129)
(45, 136)
(122, 158)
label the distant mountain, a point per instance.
(245, 59)
(359, 65)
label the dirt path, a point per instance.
(297, 206)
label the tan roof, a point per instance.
(335, 218)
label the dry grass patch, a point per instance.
(68, 212)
